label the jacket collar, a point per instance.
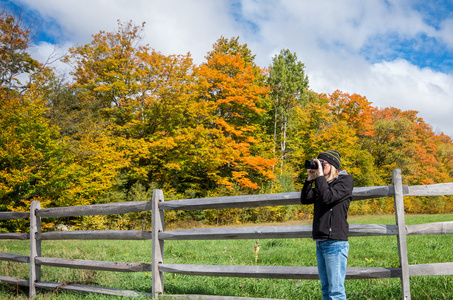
(341, 173)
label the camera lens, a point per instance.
(309, 164)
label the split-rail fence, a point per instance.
(158, 235)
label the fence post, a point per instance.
(35, 248)
(402, 242)
(157, 245)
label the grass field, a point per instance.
(364, 252)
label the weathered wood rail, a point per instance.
(158, 236)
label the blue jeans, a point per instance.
(332, 258)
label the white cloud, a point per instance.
(172, 27)
(402, 85)
(446, 32)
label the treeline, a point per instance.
(131, 119)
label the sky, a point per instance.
(396, 53)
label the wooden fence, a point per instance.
(158, 267)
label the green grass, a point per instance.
(364, 252)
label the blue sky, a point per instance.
(396, 52)
(420, 49)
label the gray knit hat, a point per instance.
(333, 157)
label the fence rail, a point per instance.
(93, 264)
(158, 236)
(96, 235)
(308, 273)
(13, 215)
(97, 209)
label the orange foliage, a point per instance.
(355, 109)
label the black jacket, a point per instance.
(331, 203)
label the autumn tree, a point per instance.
(355, 110)
(177, 127)
(106, 70)
(33, 161)
(32, 155)
(172, 122)
(319, 129)
(445, 154)
(402, 140)
(141, 98)
(14, 57)
(233, 90)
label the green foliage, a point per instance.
(33, 160)
(288, 84)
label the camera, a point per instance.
(309, 164)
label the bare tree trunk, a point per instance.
(275, 129)
(283, 142)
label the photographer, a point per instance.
(331, 195)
